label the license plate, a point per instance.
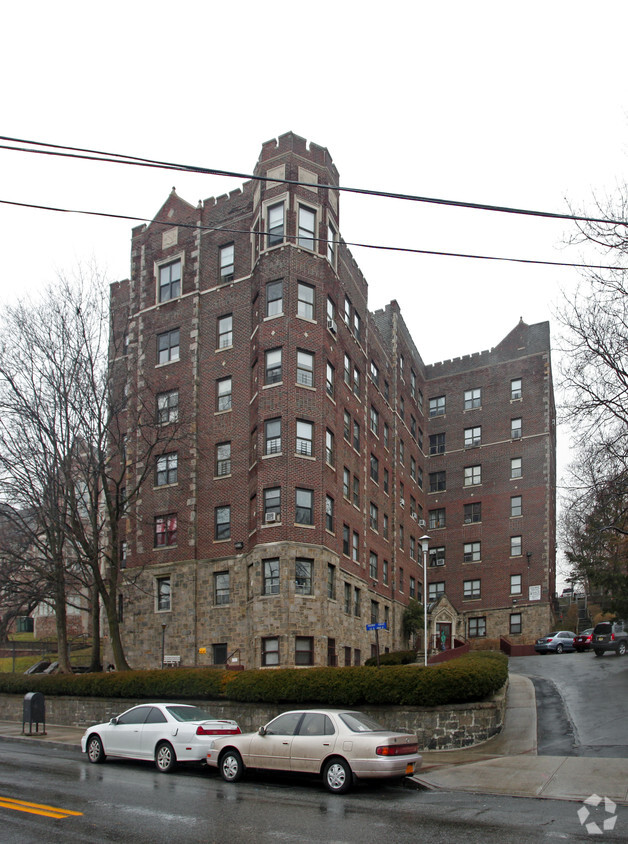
(410, 768)
(600, 638)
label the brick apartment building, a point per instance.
(315, 447)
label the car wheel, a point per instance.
(598, 652)
(337, 776)
(231, 766)
(165, 757)
(559, 649)
(621, 649)
(95, 750)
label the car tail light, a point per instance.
(612, 637)
(396, 749)
(205, 731)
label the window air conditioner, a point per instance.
(440, 561)
(413, 516)
(422, 523)
(331, 324)
(402, 501)
(270, 517)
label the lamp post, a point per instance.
(425, 544)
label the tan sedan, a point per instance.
(339, 745)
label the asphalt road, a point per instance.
(131, 803)
(581, 703)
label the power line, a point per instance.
(138, 161)
(408, 249)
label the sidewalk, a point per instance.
(506, 764)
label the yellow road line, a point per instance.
(36, 808)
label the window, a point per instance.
(331, 245)
(356, 381)
(472, 475)
(385, 527)
(374, 468)
(471, 552)
(477, 627)
(356, 491)
(401, 536)
(305, 368)
(412, 426)
(515, 429)
(515, 389)
(435, 590)
(275, 224)
(472, 399)
(303, 576)
(401, 366)
(472, 437)
(225, 331)
(305, 300)
(437, 443)
(437, 518)
(226, 254)
(274, 298)
(165, 530)
(437, 481)
(386, 480)
(331, 314)
(516, 508)
(331, 581)
(412, 548)
(412, 591)
(329, 447)
(168, 346)
(357, 656)
(166, 469)
(412, 468)
(515, 467)
(221, 587)
(356, 435)
(515, 623)
(222, 522)
(375, 373)
(355, 547)
(272, 367)
(304, 512)
(272, 436)
(437, 406)
(347, 370)
(124, 552)
(330, 375)
(373, 567)
(374, 417)
(305, 436)
(374, 612)
(347, 601)
(402, 407)
(386, 435)
(385, 572)
(170, 281)
(346, 479)
(356, 601)
(329, 513)
(223, 459)
(271, 577)
(168, 407)
(373, 516)
(437, 556)
(272, 504)
(224, 394)
(163, 602)
(515, 584)
(347, 426)
(472, 513)
(357, 325)
(347, 316)
(304, 650)
(402, 452)
(515, 546)
(471, 589)
(307, 227)
(270, 651)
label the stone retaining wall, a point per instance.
(438, 728)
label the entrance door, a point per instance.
(443, 635)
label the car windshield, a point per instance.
(603, 627)
(189, 713)
(360, 723)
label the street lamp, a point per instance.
(425, 544)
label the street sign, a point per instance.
(380, 626)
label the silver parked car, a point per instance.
(556, 643)
(339, 745)
(164, 732)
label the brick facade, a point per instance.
(286, 513)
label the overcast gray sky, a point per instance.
(516, 104)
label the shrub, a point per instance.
(393, 658)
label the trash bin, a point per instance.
(34, 711)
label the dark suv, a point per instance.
(610, 636)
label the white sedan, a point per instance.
(165, 733)
(339, 745)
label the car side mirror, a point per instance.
(262, 731)
(113, 721)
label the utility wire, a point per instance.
(227, 230)
(120, 158)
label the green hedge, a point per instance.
(469, 678)
(393, 658)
